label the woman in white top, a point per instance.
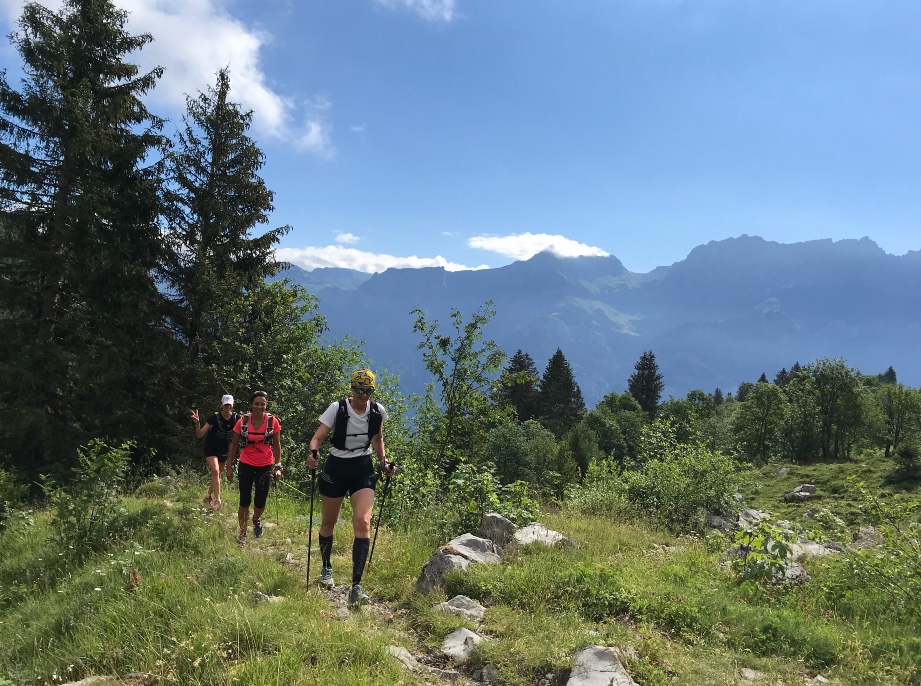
(357, 426)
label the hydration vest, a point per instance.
(269, 430)
(342, 422)
(217, 430)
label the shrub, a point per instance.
(601, 492)
(908, 460)
(90, 512)
(765, 549)
(895, 567)
(678, 480)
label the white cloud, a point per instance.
(525, 245)
(193, 39)
(358, 128)
(317, 131)
(311, 258)
(433, 10)
(347, 238)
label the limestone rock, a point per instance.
(405, 657)
(598, 666)
(460, 644)
(474, 548)
(750, 674)
(434, 571)
(749, 517)
(538, 533)
(497, 529)
(867, 537)
(259, 597)
(464, 606)
(488, 675)
(458, 553)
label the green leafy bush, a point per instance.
(679, 480)
(90, 513)
(765, 549)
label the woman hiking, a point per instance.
(256, 438)
(357, 424)
(218, 432)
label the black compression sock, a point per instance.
(326, 549)
(359, 556)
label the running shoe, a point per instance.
(216, 504)
(358, 597)
(326, 578)
(241, 539)
(209, 501)
(257, 528)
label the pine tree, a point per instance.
(762, 378)
(217, 198)
(888, 376)
(645, 383)
(781, 377)
(561, 402)
(518, 386)
(81, 240)
(718, 396)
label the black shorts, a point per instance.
(220, 450)
(346, 475)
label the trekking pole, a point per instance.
(313, 481)
(380, 512)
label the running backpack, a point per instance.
(218, 431)
(342, 421)
(269, 430)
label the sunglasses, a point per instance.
(362, 391)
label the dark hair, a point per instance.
(259, 394)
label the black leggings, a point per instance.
(247, 475)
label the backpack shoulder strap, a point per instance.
(244, 431)
(342, 422)
(269, 429)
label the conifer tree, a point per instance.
(217, 198)
(781, 378)
(518, 386)
(561, 402)
(645, 384)
(718, 396)
(79, 206)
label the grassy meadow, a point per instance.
(171, 595)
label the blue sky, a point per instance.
(470, 133)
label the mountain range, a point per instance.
(728, 312)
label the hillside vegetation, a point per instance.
(152, 582)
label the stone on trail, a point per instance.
(464, 606)
(598, 666)
(405, 658)
(460, 644)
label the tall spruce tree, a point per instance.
(518, 386)
(216, 199)
(79, 207)
(645, 383)
(561, 405)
